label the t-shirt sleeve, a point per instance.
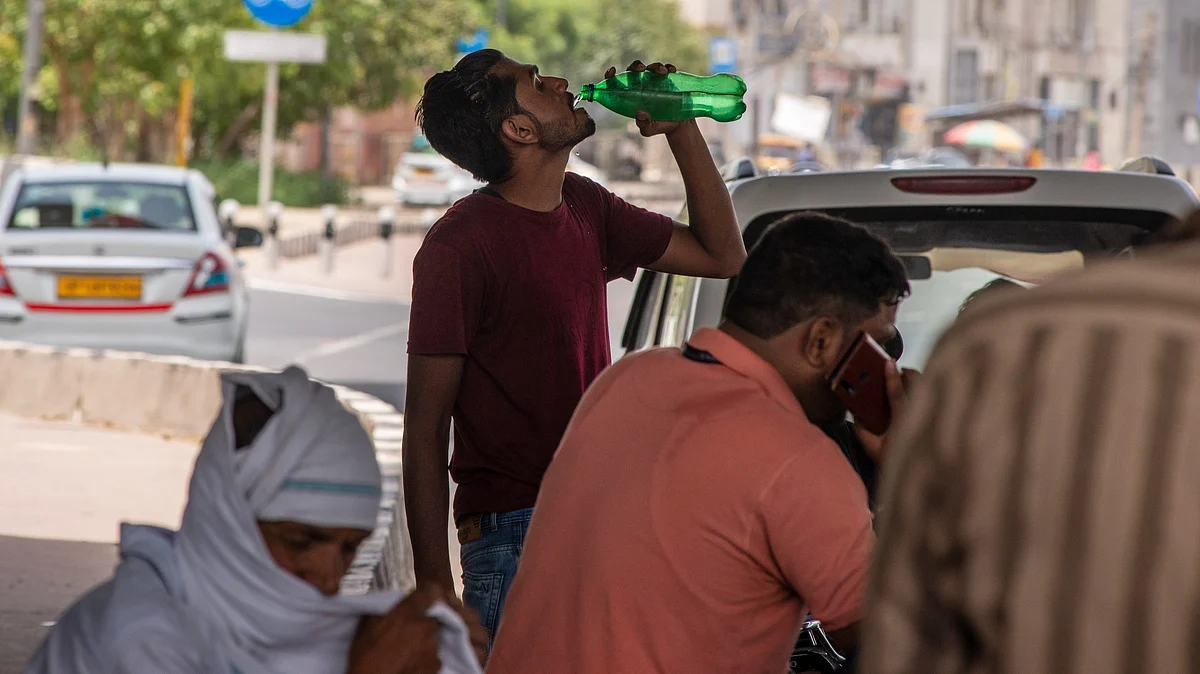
(447, 300)
(819, 528)
(633, 236)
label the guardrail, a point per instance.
(180, 397)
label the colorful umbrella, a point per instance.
(987, 134)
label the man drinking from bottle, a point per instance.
(508, 319)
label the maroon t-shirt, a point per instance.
(522, 294)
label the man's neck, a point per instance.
(765, 350)
(536, 183)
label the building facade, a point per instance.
(850, 54)
(1164, 54)
(1086, 81)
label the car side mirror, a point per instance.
(739, 169)
(247, 237)
(919, 267)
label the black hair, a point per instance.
(461, 112)
(812, 264)
(250, 416)
(989, 288)
(1176, 231)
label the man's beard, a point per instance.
(563, 136)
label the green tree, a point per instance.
(580, 39)
(117, 65)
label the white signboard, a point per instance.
(260, 46)
(803, 117)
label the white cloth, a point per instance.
(332, 476)
(209, 598)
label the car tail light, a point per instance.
(210, 275)
(964, 184)
(6, 288)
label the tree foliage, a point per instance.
(113, 68)
(580, 39)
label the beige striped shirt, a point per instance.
(1041, 507)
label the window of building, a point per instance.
(1081, 21)
(965, 85)
(990, 88)
(1191, 48)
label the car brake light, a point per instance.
(964, 184)
(208, 276)
(5, 287)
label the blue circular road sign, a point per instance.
(279, 13)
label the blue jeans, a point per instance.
(490, 562)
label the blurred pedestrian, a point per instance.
(1040, 507)
(989, 289)
(695, 512)
(285, 489)
(509, 310)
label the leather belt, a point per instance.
(470, 529)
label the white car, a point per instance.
(956, 230)
(426, 178)
(124, 256)
(579, 166)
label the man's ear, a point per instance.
(823, 343)
(520, 129)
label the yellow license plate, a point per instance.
(423, 171)
(100, 287)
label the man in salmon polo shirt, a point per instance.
(694, 512)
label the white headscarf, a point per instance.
(231, 605)
(266, 618)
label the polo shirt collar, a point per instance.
(739, 358)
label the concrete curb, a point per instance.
(179, 397)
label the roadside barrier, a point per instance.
(179, 397)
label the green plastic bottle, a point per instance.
(670, 97)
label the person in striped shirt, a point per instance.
(1040, 510)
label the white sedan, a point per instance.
(426, 178)
(124, 256)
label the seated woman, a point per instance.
(285, 489)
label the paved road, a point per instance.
(63, 488)
(360, 343)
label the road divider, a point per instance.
(179, 397)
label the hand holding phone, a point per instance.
(860, 381)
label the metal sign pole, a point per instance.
(266, 159)
(27, 118)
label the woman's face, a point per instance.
(319, 556)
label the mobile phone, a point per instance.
(860, 381)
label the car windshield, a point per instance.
(67, 206)
(780, 151)
(957, 274)
(969, 248)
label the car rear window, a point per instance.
(970, 246)
(69, 206)
(1091, 231)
